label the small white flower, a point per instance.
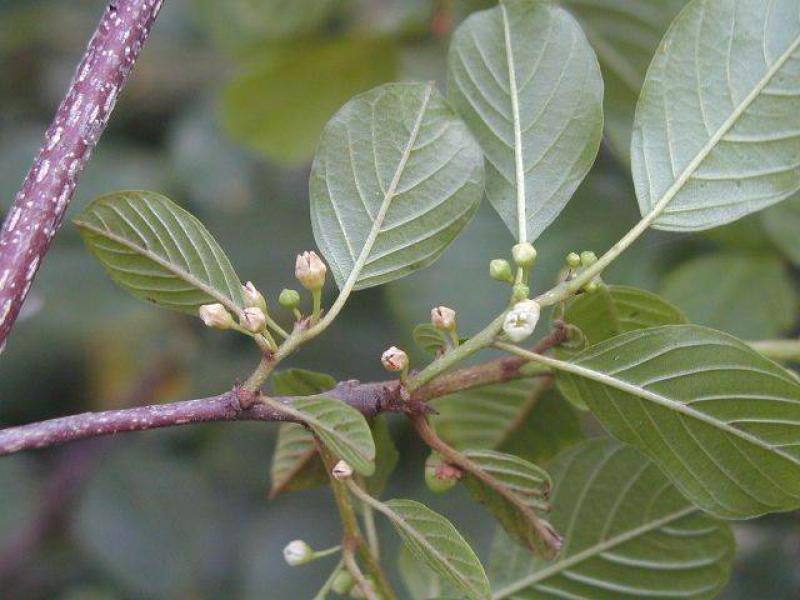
(394, 359)
(216, 316)
(521, 320)
(253, 319)
(297, 552)
(342, 470)
(443, 318)
(310, 270)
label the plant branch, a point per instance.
(551, 541)
(40, 205)
(242, 404)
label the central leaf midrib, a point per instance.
(522, 227)
(590, 552)
(172, 268)
(377, 224)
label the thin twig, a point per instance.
(40, 205)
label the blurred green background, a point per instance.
(222, 114)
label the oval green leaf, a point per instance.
(518, 505)
(629, 533)
(717, 129)
(342, 429)
(434, 541)
(296, 464)
(397, 176)
(528, 84)
(157, 251)
(722, 421)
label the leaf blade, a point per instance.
(499, 60)
(158, 252)
(389, 200)
(433, 540)
(681, 172)
(629, 532)
(696, 387)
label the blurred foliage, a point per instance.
(222, 114)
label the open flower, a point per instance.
(521, 320)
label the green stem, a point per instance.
(322, 594)
(316, 298)
(327, 552)
(275, 327)
(355, 571)
(372, 531)
(780, 350)
(471, 346)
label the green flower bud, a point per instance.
(520, 292)
(439, 476)
(573, 260)
(524, 254)
(500, 270)
(342, 583)
(289, 299)
(588, 258)
(591, 287)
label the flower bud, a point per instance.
(588, 258)
(500, 270)
(443, 318)
(297, 552)
(573, 260)
(439, 476)
(520, 292)
(310, 270)
(253, 319)
(357, 592)
(289, 298)
(216, 316)
(342, 583)
(342, 470)
(252, 297)
(591, 287)
(394, 359)
(521, 320)
(524, 254)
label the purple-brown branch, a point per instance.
(240, 405)
(40, 205)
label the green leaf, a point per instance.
(752, 296)
(296, 464)
(629, 534)
(281, 97)
(397, 176)
(721, 420)
(339, 426)
(420, 581)
(158, 252)
(717, 130)
(518, 416)
(528, 84)
(608, 312)
(625, 36)
(530, 487)
(386, 456)
(429, 339)
(434, 541)
(782, 223)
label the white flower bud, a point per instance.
(443, 318)
(310, 270)
(521, 320)
(297, 553)
(524, 254)
(252, 297)
(342, 470)
(216, 316)
(394, 359)
(253, 319)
